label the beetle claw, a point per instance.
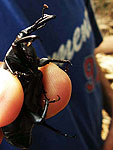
(55, 100)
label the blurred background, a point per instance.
(104, 15)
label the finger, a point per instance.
(56, 82)
(11, 97)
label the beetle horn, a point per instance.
(41, 22)
(44, 7)
(29, 38)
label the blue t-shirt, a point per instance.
(72, 35)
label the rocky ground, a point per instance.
(104, 15)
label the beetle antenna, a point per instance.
(44, 7)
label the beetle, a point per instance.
(21, 60)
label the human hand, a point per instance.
(108, 145)
(56, 82)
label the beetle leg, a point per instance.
(57, 131)
(50, 127)
(38, 119)
(45, 61)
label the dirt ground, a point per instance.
(104, 15)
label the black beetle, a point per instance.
(21, 60)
